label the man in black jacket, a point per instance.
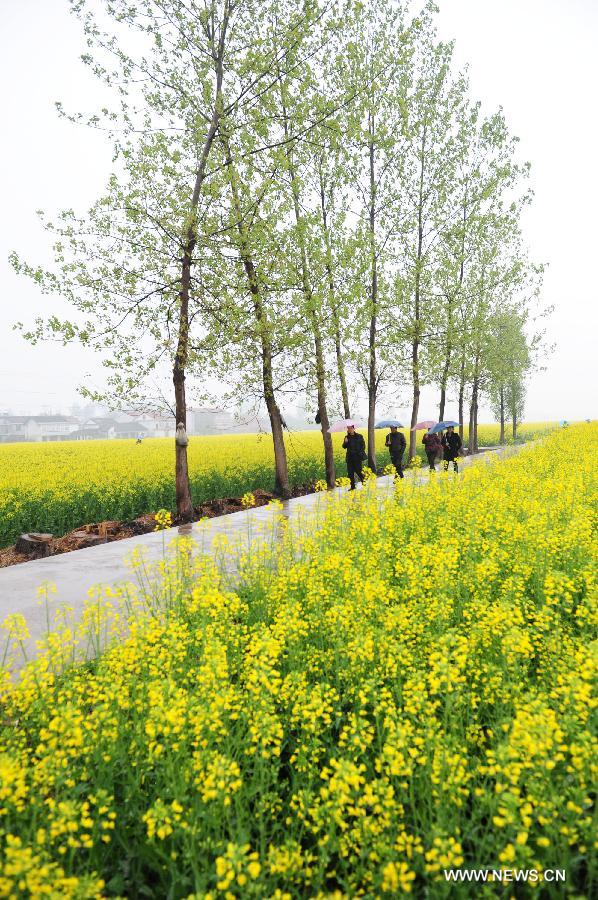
(451, 445)
(354, 444)
(396, 443)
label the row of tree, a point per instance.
(305, 196)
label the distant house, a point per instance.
(37, 428)
(96, 428)
(155, 424)
(208, 420)
(130, 430)
(102, 423)
(51, 428)
(12, 429)
(201, 420)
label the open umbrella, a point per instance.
(442, 425)
(388, 423)
(421, 426)
(342, 425)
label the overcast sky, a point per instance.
(535, 58)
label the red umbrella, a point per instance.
(428, 423)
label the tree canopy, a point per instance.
(305, 198)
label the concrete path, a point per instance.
(77, 573)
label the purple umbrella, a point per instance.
(421, 426)
(342, 425)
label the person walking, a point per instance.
(451, 446)
(433, 447)
(396, 443)
(354, 444)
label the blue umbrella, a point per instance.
(442, 425)
(388, 423)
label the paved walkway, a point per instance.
(76, 573)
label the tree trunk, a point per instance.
(313, 313)
(502, 415)
(443, 393)
(281, 480)
(514, 425)
(373, 370)
(473, 412)
(461, 396)
(340, 364)
(449, 326)
(184, 503)
(324, 421)
(372, 388)
(182, 485)
(470, 439)
(338, 347)
(415, 402)
(475, 395)
(415, 356)
(447, 363)
(281, 471)
(34, 543)
(417, 301)
(281, 477)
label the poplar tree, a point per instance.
(431, 112)
(376, 58)
(341, 259)
(485, 172)
(134, 267)
(510, 360)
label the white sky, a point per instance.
(536, 58)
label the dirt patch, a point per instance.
(223, 506)
(106, 532)
(10, 557)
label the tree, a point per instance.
(375, 60)
(515, 392)
(137, 267)
(304, 233)
(502, 284)
(485, 171)
(338, 256)
(510, 361)
(269, 204)
(430, 115)
(302, 192)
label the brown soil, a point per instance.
(106, 532)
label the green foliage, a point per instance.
(349, 218)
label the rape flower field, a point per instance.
(404, 688)
(55, 487)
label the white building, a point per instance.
(150, 424)
(94, 429)
(12, 429)
(208, 420)
(200, 420)
(37, 428)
